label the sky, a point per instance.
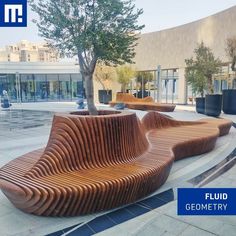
(158, 15)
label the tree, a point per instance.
(104, 74)
(143, 78)
(94, 30)
(199, 71)
(231, 51)
(124, 76)
(196, 79)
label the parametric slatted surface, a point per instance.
(144, 104)
(95, 163)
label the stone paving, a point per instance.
(165, 221)
(30, 130)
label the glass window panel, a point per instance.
(27, 88)
(216, 86)
(41, 87)
(176, 73)
(12, 88)
(170, 74)
(224, 85)
(65, 87)
(53, 87)
(234, 84)
(77, 86)
(164, 74)
(8, 83)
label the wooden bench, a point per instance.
(144, 104)
(94, 163)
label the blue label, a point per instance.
(13, 13)
(206, 201)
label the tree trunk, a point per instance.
(89, 89)
(123, 88)
(210, 85)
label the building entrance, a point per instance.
(169, 86)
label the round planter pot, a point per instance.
(213, 105)
(104, 96)
(229, 101)
(200, 105)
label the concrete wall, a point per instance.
(169, 48)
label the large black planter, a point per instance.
(104, 96)
(213, 105)
(229, 101)
(200, 105)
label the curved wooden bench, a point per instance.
(127, 97)
(143, 104)
(185, 138)
(93, 163)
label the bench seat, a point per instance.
(38, 183)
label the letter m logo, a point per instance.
(13, 13)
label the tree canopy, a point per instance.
(195, 78)
(104, 75)
(200, 70)
(124, 76)
(93, 30)
(143, 78)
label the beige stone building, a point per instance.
(169, 49)
(26, 51)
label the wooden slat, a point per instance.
(94, 163)
(144, 104)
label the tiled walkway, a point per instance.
(152, 216)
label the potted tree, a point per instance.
(198, 84)
(94, 31)
(104, 75)
(124, 76)
(229, 95)
(204, 66)
(143, 78)
(211, 66)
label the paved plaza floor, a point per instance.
(26, 127)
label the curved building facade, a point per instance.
(169, 49)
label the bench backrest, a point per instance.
(84, 142)
(155, 120)
(127, 97)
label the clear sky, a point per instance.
(157, 15)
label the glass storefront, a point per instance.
(42, 87)
(169, 87)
